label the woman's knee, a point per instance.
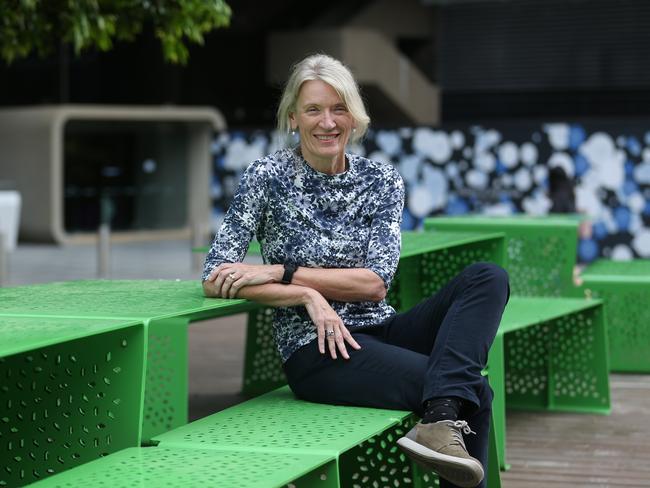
(490, 274)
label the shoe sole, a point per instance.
(465, 473)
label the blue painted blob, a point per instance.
(500, 168)
(581, 164)
(646, 210)
(587, 249)
(577, 135)
(630, 187)
(457, 206)
(219, 161)
(622, 217)
(634, 146)
(599, 230)
(409, 222)
(629, 168)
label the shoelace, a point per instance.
(458, 427)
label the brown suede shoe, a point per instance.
(439, 446)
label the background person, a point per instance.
(329, 227)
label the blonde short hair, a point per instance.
(334, 73)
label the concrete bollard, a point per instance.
(4, 279)
(104, 251)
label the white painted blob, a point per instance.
(641, 243)
(642, 173)
(537, 204)
(427, 197)
(587, 200)
(506, 180)
(636, 202)
(646, 155)
(499, 209)
(409, 167)
(540, 173)
(457, 139)
(622, 253)
(451, 168)
(434, 145)
(240, 154)
(558, 135)
(379, 156)
(484, 140)
(485, 161)
(476, 179)
(636, 223)
(564, 161)
(509, 154)
(607, 162)
(523, 180)
(528, 154)
(357, 149)
(389, 141)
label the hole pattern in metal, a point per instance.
(378, 462)
(440, 267)
(263, 369)
(555, 358)
(160, 412)
(200, 468)
(69, 403)
(628, 323)
(540, 264)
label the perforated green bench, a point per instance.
(270, 441)
(71, 390)
(540, 251)
(625, 288)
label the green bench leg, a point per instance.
(262, 366)
(70, 403)
(496, 376)
(166, 389)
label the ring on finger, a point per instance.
(231, 276)
(329, 333)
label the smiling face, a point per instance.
(325, 125)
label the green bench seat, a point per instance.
(71, 390)
(156, 467)
(625, 289)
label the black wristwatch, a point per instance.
(289, 270)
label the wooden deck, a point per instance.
(581, 450)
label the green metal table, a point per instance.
(541, 251)
(71, 391)
(165, 307)
(625, 288)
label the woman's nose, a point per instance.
(327, 121)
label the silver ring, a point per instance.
(231, 276)
(329, 333)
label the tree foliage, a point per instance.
(41, 26)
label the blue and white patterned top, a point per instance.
(312, 219)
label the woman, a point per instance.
(329, 226)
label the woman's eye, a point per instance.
(312, 109)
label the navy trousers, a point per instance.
(436, 349)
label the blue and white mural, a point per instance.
(496, 170)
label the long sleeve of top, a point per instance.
(311, 219)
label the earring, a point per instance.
(354, 129)
(293, 132)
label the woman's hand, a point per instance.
(229, 278)
(329, 326)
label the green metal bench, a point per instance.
(270, 441)
(71, 390)
(625, 288)
(540, 251)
